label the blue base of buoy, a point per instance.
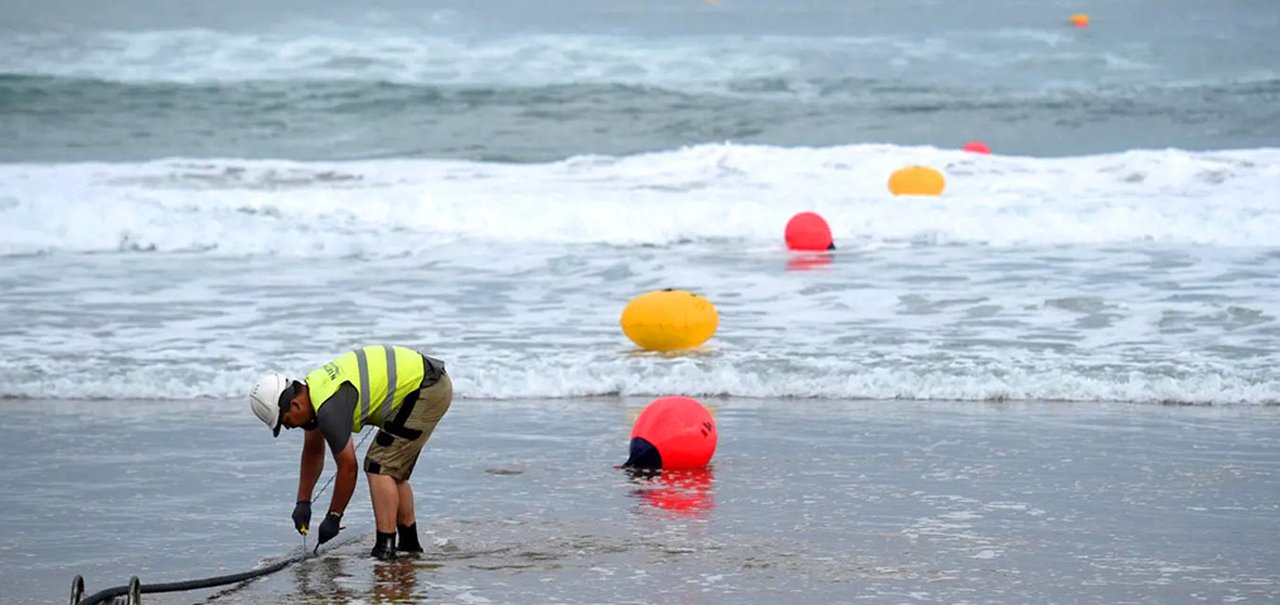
(643, 455)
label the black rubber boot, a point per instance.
(385, 548)
(408, 539)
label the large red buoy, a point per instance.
(808, 231)
(673, 433)
(977, 147)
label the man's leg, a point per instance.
(404, 512)
(406, 523)
(390, 462)
(385, 496)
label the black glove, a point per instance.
(329, 528)
(302, 516)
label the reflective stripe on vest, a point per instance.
(382, 375)
(364, 411)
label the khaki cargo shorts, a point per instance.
(395, 449)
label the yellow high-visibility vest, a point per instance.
(383, 375)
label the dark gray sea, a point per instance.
(510, 81)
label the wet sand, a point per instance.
(519, 502)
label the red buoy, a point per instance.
(673, 433)
(977, 147)
(808, 231)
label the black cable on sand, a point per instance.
(118, 591)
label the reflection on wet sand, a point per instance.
(319, 580)
(396, 581)
(347, 575)
(686, 493)
(805, 261)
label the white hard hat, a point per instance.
(266, 402)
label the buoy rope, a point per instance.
(104, 595)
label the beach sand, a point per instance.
(520, 502)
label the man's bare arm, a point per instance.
(345, 485)
(312, 463)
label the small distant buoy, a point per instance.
(1080, 20)
(669, 320)
(977, 147)
(672, 433)
(808, 231)
(917, 180)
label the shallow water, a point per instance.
(519, 501)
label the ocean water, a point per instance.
(1097, 278)
(192, 194)
(506, 82)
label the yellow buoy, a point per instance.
(668, 320)
(917, 180)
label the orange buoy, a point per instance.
(669, 320)
(917, 180)
(808, 231)
(1080, 20)
(977, 147)
(673, 433)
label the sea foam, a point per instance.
(706, 192)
